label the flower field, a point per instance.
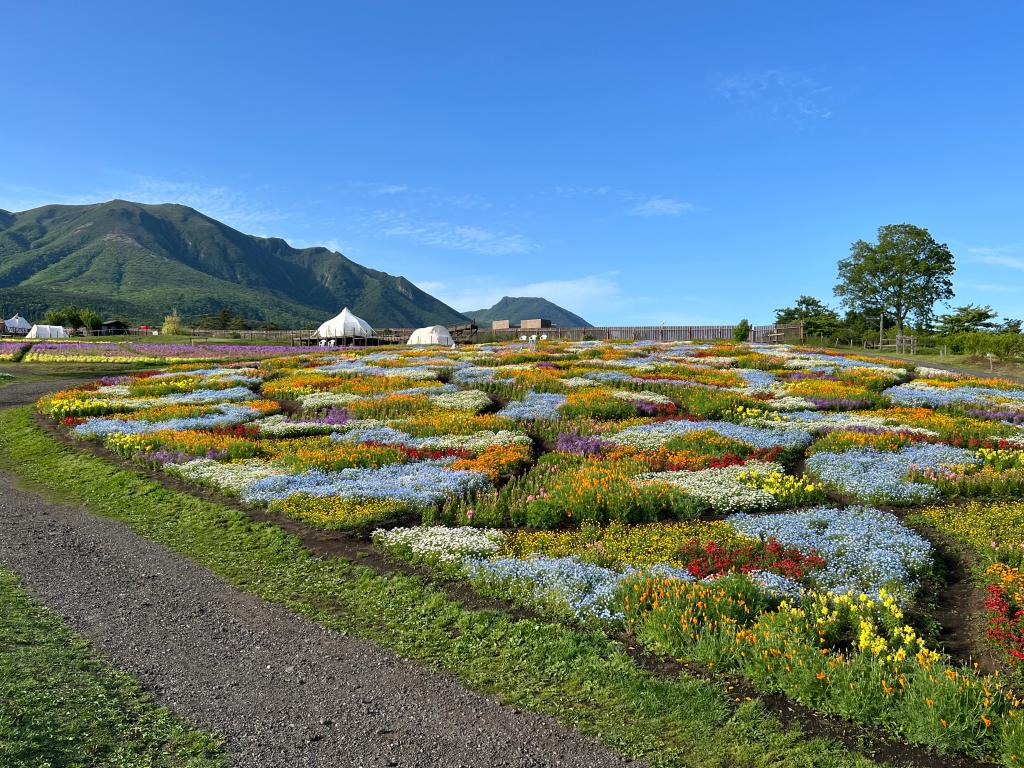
(133, 352)
(769, 511)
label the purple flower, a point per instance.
(110, 381)
(645, 407)
(333, 416)
(839, 403)
(168, 457)
(581, 445)
(997, 414)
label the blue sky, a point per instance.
(645, 163)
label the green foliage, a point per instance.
(1005, 346)
(904, 274)
(967, 319)
(742, 330)
(90, 319)
(73, 317)
(815, 315)
(581, 677)
(60, 705)
(173, 325)
(223, 321)
(141, 261)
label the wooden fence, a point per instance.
(758, 333)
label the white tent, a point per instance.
(47, 332)
(17, 324)
(345, 324)
(432, 334)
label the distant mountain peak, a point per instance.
(519, 308)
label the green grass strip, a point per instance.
(61, 706)
(584, 679)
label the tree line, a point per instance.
(891, 287)
(87, 319)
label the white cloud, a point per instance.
(387, 189)
(781, 94)
(574, 191)
(642, 205)
(452, 236)
(1011, 255)
(660, 206)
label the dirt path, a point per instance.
(282, 690)
(27, 392)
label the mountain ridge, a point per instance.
(144, 260)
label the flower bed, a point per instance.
(638, 487)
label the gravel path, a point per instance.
(282, 690)
(25, 392)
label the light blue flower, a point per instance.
(536, 405)
(660, 432)
(879, 476)
(864, 549)
(424, 483)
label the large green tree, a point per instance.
(966, 319)
(903, 275)
(817, 317)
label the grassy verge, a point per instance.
(61, 706)
(32, 371)
(583, 679)
(1008, 369)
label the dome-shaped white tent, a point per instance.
(432, 334)
(47, 332)
(344, 325)
(17, 324)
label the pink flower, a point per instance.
(530, 497)
(469, 514)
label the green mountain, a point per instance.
(519, 308)
(140, 261)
